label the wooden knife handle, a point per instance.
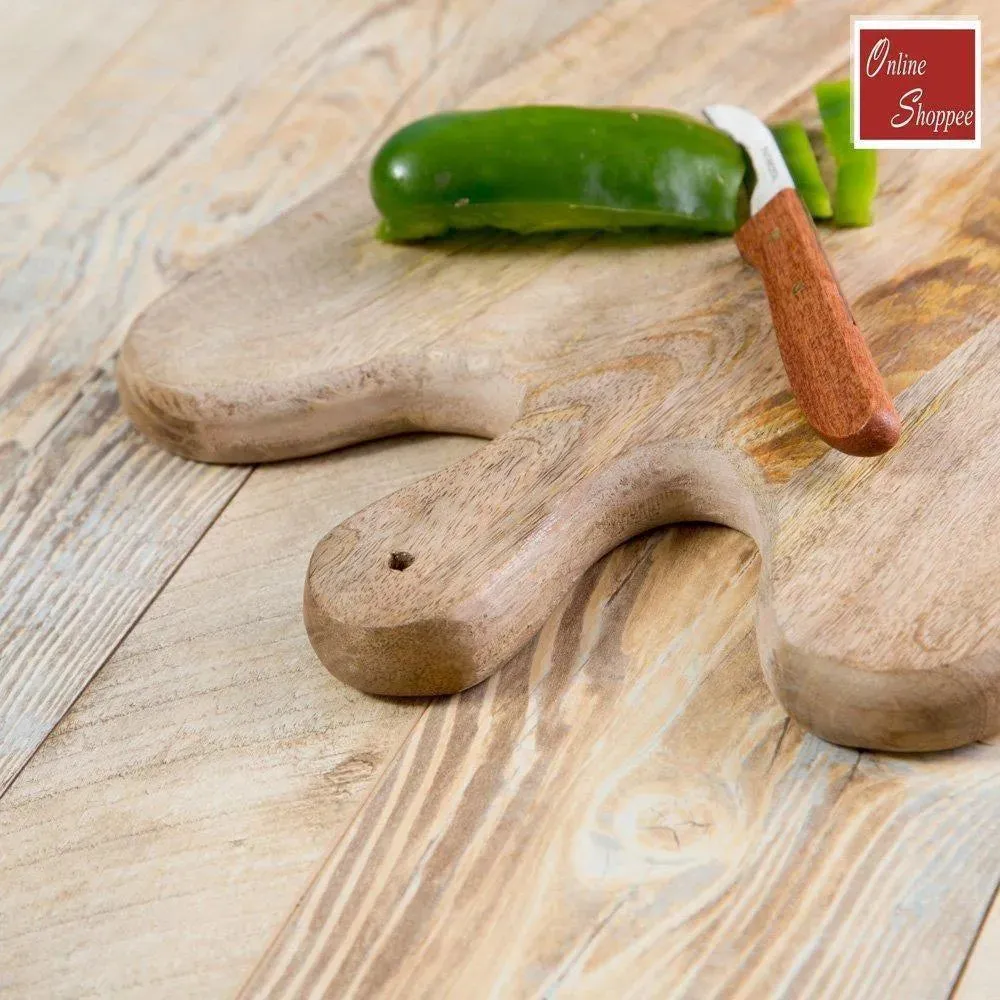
(829, 366)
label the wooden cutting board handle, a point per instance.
(829, 366)
(428, 590)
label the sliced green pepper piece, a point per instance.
(856, 168)
(544, 168)
(801, 161)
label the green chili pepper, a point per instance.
(533, 169)
(801, 160)
(856, 168)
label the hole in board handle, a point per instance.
(400, 560)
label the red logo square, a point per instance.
(916, 82)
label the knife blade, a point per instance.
(829, 366)
(755, 137)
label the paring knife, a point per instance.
(829, 366)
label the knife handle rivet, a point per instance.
(798, 287)
(775, 234)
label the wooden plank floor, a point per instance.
(622, 810)
(205, 772)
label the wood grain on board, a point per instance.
(620, 373)
(210, 118)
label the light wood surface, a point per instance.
(49, 49)
(93, 523)
(982, 970)
(161, 836)
(620, 374)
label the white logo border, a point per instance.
(859, 21)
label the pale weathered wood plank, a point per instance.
(160, 836)
(90, 527)
(981, 976)
(624, 811)
(212, 117)
(48, 50)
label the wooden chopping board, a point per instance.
(628, 381)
